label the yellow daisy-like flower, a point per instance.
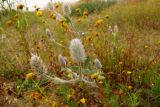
(146, 46)
(130, 87)
(95, 75)
(120, 63)
(39, 13)
(85, 13)
(100, 77)
(69, 97)
(83, 100)
(20, 7)
(98, 23)
(100, 82)
(129, 72)
(107, 16)
(89, 39)
(54, 104)
(9, 23)
(52, 16)
(29, 76)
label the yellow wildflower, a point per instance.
(29, 76)
(54, 104)
(130, 87)
(52, 16)
(39, 13)
(69, 97)
(79, 20)
(9, 23)
(100, 77)
(100, 82)
(129, 72)
(20, 6)
(83, 100)
(98, 23)
(95, 75)
(89, 39)
(146, 46)
(85, 13)
(107, 16)
(120, 63)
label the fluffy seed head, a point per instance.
(66, 9)
(61, 60)
(77, 51)
(116, 30)
(48, 32)
(37, 64)
(97, 64)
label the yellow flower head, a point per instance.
(98, 23)
(100, 82)
(146, 46)
(39, 13)
(52, 16)
(120, 63)
(56, 5)
(129, 72)
(95, 75)
(79, 20)
(9, 23)
(107, 16)
(20, 7)
(100, 77)
(89, 39)
(85, 13)
(69, 97)
(29, 76)
(83, 100)
(54, 104)
(130, 87)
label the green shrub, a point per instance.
(91, 7)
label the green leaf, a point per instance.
(86, 62)
(68, 20)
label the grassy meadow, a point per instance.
(81, 56)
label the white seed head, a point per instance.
(116, 30)
(110, 29)
(97, 64)
(77, 51)
(61, 60)
(48, 32)
(37, 64)
(59, 17)
(66, 9)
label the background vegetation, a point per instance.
(130, 60)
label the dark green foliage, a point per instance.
(92, 7)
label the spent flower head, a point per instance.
(37, 64)
(66, 9)
(97, 64)
(61, 60)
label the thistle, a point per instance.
(37, 64)
(77, 51)
(97, 64)
(61, 60)
(66, 10)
